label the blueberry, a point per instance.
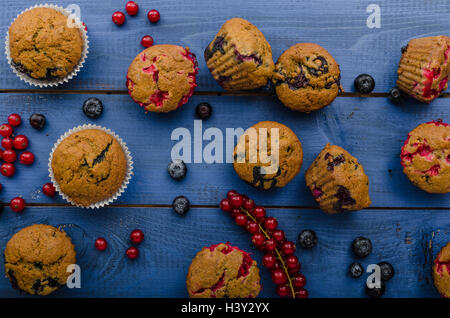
(37, 121)
(177, 169)
(395, 95)
(361, 246)
(376, 292)
(364, 83)
(387, 271)
(355, 270)
(181, 205)
(93, 107)
(307, 238)
(203, 110)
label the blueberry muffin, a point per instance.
(239, 57)
(337, 181)
(306, 77)
(424, 67)
(268, 168)
(223, 271)
(441, 271)
(425, 157)
(162, 78)
(42, 45)
(89, 166)
(37, 257)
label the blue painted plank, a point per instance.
(339, 26)
(408, 240)
(370, 128)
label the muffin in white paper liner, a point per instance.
(50, 83)
(125, 182)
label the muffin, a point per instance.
(239, 57)
(424, 67)
(425, 157)
(162, 77)
(89, 166)
(337, 181)
(42, 45)
(268, 168)
(441, 271)
(37, 257)
(306, 77)
(223, 271)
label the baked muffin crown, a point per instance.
(441, 271)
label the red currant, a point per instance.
(292, 261)
(132, 8)
(101, 244)
(294, 270)
(236, 201)
(302, 293)
(20, 142)
(235, 212)
(26, 158)
(7, 169)
(6, 130)
(137, 236)
(1, 154)
(132, 252)
(1, 187)
(7, 143)
(283, 290)
(231, 194)
(259, 212)
(269, 260)
(9, 155)
(279, 277)
(240, 219)
(225, 205)
(258, 239)
(249, 204)
(252, 227)
(118, 18)
(49, 189)
(14, 120)
(278, 235)
(271, 223)
(17, 204)
(299, 281)
(147, 41)
(288, 248)
(270, 245)
(153, 16)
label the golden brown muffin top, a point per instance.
(441, 271)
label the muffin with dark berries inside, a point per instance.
(337, 181)
(425, 157)
(424, 67)
(162, 78)
(441, 271)
(239, 57)
(223, 271)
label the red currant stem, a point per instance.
(276, 250)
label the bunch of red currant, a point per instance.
(279, 255)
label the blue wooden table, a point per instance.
(406, 225)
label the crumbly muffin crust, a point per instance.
(37, 257)
(441, 271)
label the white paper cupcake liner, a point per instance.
(126, 180)
(50, 83)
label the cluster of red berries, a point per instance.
(136, 237)
(279, 255)
(132, 9)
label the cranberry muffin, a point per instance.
(425, 157)
(239, 57)
(441, 271)
(424, 67)
(306, 77)
(37, 257)
(274, 166)
(162, 78)
(221, 271)
(337, 181)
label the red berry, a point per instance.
(236, 201)
(14, 120)
(153, 16)
(259, 212)
(302, 293)
(225, 205)
(9, 155)
(299, 281)
(20, 142)
(8, 169)
(271, 223)
(7, 143)
(278, 235)
(231, 194)
(132, 8)
(269, 260)
(147, 41)
(101, 244)
(49, 189)
(118, 18)
(6, 130)
(292, 261)
(1, 187)
(283, 290)
(279, 277)
(295, 270)
(17, 204)
(252, 227)
(1, 154)
(240, 219)
(270, 244)
(288, 248)
(235, 212)
(258, 239)
(26, 158)
(132, 252)
(249, 204)
(137, 236)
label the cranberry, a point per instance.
(8, 169)
(137, 236)
(14, 120)
(299, 281)
(9, 155)
(20, 142)
(302, 293)
(17, 204)
(279, 277)
(240, 219)
(271, 223)
(258, 239)
(283, 290)
(101, 244)
(231, 194)
(270, 245)
(288, 248)
(292, 261)
(26, 158)
(147, 41)
(118, 18)
(269, 260)
(236, 201)
(259, 212)
(153, 16)
(7, 143)
(132, 252)
(49, 189)
(249, 204)
(132, 8)
(252, 227)
(279, 235)
(6, 130)
(225, 205)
